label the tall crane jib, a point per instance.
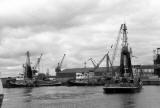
(93, 62)
(58, 68)
(125, 60)
(116, 45)
(36, 68)
(101, 60)
(28, 70)
(98, 64)
(62, 60)
(108, 61)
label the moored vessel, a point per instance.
(124, 80)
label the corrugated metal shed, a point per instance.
(101, 69)
(67, 74)
(80, 70)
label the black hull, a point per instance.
(121, 89)
(131, 88)
(74, 83)
(19, 86)
(56, 84)
(70, 83)
(1, 99)
(151, 82)
(33, 84)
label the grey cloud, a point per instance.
(58, 14)
(81, 29)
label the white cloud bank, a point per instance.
(79, 28)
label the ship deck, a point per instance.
(122, 89)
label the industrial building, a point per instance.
(77, 73)
(157, 61)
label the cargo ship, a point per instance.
(124, 81)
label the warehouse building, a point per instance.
(84, 73)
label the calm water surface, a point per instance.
(79, 97)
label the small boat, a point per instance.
(77, 83)
(124, 81)
(85, 83)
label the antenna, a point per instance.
(124, 19)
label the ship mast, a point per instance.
(28, 70)
(125, 60)
(125, 39)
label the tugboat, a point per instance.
(27, 80)
(124, 81)
(77, 83)
(31, 76)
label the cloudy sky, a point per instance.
(78, 28)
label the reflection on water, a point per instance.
(128, 101)
(79, 97)
(27, 93)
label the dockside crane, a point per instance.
(28, 70)
(108, 64)
(98, 64)
(38, 61)
(93, 62)
(100, 61)
(36, 68)
(58, 68)
(125, 60)
(108, 60)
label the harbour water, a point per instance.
(79, 97)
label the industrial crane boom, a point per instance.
(94, 64)
(62, 60)
(58, 68)
(28, 71)
(38, 61)
(28, 59)
(108, 59)
(116, 45)
(100, 62)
